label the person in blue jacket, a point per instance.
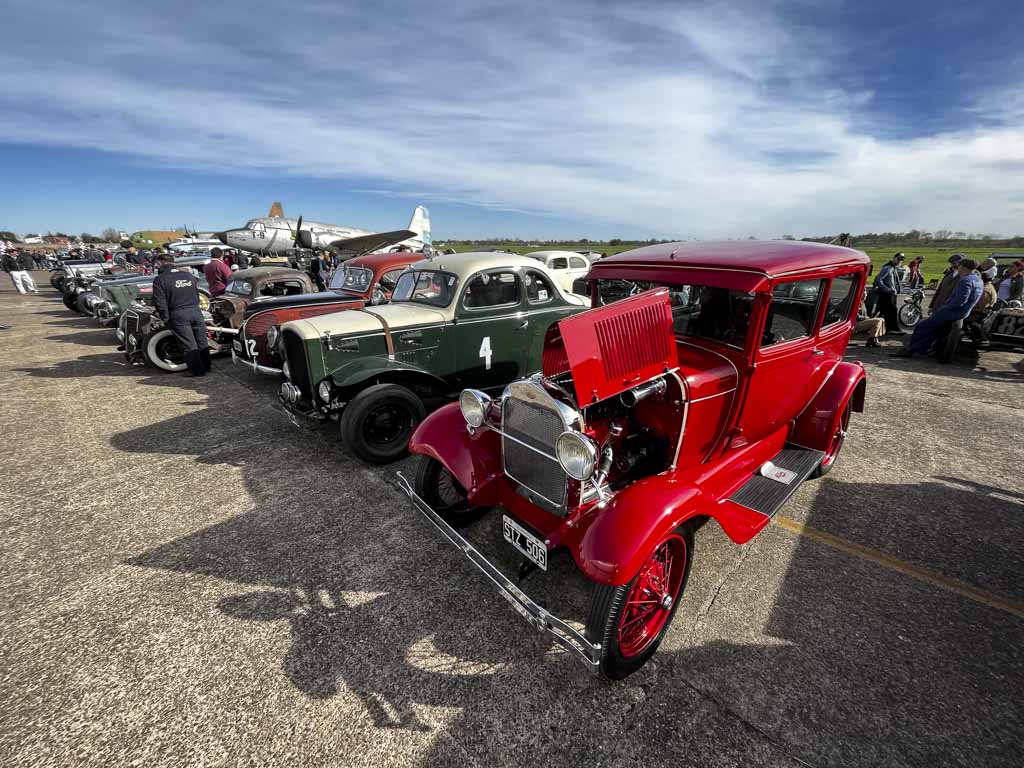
(176, 296)
(965, 295)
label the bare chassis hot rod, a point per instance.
(706, 383)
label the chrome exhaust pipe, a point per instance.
(633, 396)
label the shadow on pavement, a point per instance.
(854, 664)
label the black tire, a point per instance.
(445, 495)
(377, 424)
(81, 305)
(607, 606)
(909, 315)
(70, 301)
(161, 350)
(946, 348)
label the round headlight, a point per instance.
(474, 405)
(577, 454)
(286, 371)
(120, 335)
(324, 390)
(273, 335)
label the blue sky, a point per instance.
(530, 119)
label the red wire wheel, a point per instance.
(652, 596)
(630, 620)
(835, 443)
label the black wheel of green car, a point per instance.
(836, 440)
(377, 424)
(445, 495)
(161, 350)
(70, 301)
(629, 621)
(947, 347)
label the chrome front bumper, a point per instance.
(561, 632)
(254, 365)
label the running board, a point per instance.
(763, 494)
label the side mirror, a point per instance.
(378, 297)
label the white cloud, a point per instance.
(658, 120)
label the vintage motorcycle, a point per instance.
(911, 312)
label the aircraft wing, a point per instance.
(357, 246)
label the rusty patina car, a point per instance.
(707, 382)
(360, 282)
(248, 286)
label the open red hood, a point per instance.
(613, 348)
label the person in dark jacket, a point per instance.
(176, 296)
(321, 269)
(217, 272)
(887, 288)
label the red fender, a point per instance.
(815, 427)
(474, 460)
(622, 534)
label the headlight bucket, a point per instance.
(286, 371)
(272, 336)
(325, 390)
(474, 405)
(577, 455)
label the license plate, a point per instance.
(529, 545)
(237, 346)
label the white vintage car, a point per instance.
(566, 266)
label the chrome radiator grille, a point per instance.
(530, 427)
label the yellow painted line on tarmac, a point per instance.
(927, 575)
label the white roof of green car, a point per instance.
(464, 264)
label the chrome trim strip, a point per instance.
(218, 329)
(684, 390)
(560, 631)
(712, 397)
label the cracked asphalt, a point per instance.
(187, 579)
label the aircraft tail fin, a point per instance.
(420, 224)
(276, 210)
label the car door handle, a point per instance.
(817, 352)
(413, 338)
(522, 325)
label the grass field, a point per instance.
(935, 258)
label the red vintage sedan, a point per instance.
(356, 283)
(708, 381)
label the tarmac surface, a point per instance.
(188, 579)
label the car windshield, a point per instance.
(239, 287)
(718, 314)
(425, 287)
(354, 279)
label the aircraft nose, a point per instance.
(223, 237)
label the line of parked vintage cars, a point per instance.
(691, 382)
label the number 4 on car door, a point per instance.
(485, 352)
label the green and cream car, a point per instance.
(455, 321)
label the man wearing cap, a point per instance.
(218, 274)
(176, 296)
(949, 280)
(966, 294)
(887, 288)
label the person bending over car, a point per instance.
(176, 296)
(958, 306)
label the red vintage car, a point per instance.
(707, 381)
(355, 284)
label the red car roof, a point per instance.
(771, 258)
(382, 262)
